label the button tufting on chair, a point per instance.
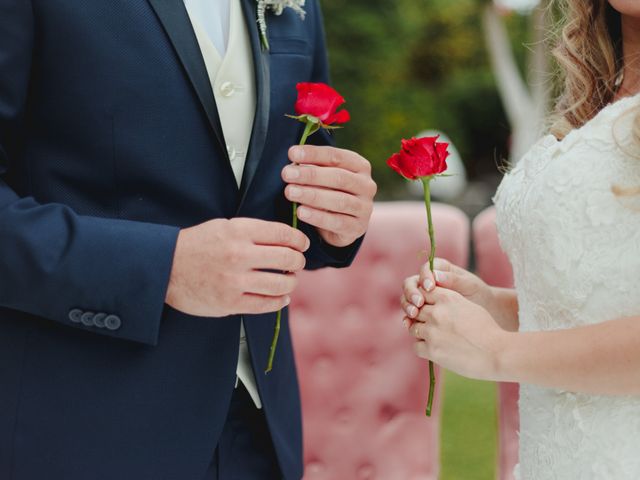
(363, 389)
(492, 265)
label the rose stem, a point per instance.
(426, 181)
(303, 140)
(294, 224)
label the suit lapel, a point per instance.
(175, 20)
(263, 91)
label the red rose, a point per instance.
(320, 101)
(420, 157)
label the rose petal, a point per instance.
(341, 117)
(319, 100)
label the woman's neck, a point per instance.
(631, 56)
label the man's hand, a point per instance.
(218, 267)
(334, 189)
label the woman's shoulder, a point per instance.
(611, 127)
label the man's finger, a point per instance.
(332, 222)
(278, 234)
(270, 284)
(324, 199)
(329, 157)
(326, 177)
(277, 258)
(258, 304)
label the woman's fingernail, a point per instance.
(428, 284)
(417, 300)
(440, 276)
(412, 311)
(405, 323)
(295, 192)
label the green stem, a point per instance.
(305, 135)
(274, 342)
(308, 130)
(426, 181)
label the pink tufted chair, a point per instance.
(493, 267)
(363, 389)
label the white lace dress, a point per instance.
(575, 251)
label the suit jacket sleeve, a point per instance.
(321, 254)
(54, 263)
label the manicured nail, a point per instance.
(412, 311)
(440, 276)
(303, 213)
(417, 300)
(296, 154)
(287, 300)
(294, 192)
(291, 173)
(405, 322)
(428, 284)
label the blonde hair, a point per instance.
(589, 52)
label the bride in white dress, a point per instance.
(569, 218)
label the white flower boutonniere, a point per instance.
(277, 7)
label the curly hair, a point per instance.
(589, 52)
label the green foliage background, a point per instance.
(409, 65)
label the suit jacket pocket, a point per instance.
(289, 46)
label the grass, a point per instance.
(469, 430)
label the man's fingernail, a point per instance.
(303, 213)
(295, 192)
(296, 154)
(291, 173)
(417, 300)
(428, 284)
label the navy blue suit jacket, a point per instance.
(109, 143)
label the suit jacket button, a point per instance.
(112, 322)
(87, 319)
(98, 320)
(75, 315)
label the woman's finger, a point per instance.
(407, 322)
(417, 330)
(412, 291)
(426, 279)
(422, 349)
(409, 309)
(436, 295)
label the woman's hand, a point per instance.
(502, 304)
(459, 335)
(448, 276)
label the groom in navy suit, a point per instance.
(143, 226)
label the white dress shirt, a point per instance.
(214, 17)
(223, 37)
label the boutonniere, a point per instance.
(277, 7)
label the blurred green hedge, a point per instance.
(409, 65)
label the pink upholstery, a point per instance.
(363, 389)
(493, 267)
